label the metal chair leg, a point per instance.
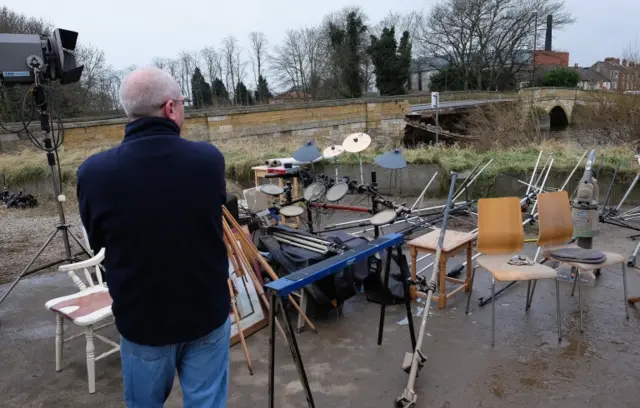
(533, 290)
(526, 305)
(473, 276)
(580, 300)
(493, 312)
(575, 281)
(624, 284)
(559, 317)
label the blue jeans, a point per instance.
(202, 365)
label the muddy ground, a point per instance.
(346, 368)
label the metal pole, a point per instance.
(535, 46)
(419, 200)
(409, 397)
(633, 184)
(533, 175)
(437, 120)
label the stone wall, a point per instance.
(379, 117)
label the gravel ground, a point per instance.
(25, 231)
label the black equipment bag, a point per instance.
(331, 291)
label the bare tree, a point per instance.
(473, 37)
(300, 63)
(187, 66)
(159, 62)
(212, 63)
(16, 23)
(229, 46)
(233, 65)
(173, 66)
(631, 56)
(258, 53)
(94, 63)
(410, 21)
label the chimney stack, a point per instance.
(547, 42)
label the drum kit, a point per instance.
(333, 190)
(275, 191)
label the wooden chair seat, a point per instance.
(612, 258)
(501, 270)
(452, 240)
(83, 308)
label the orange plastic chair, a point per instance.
(500, 237)
(555, 229)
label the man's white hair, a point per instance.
(145, 90)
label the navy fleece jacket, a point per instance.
(154, 202)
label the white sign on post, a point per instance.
(435, 99)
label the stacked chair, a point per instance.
(555, 229)
(500, 241)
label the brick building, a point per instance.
(543, 57)
(624, 75)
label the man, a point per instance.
(154, 202)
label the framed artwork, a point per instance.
(252, 314)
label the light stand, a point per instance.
(39, 95)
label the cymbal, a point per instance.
(356, 142)
(333, 151)
(307, 153)
(271, 189)
(392, 160)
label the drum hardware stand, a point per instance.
(63, 227)
(632, 259)
(416, 360)
(316, 244)
(374, 204)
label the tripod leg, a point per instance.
(80, 243)
(33, 260)
(295, 352)
(405, 276)
(386, 298)
(272, 341)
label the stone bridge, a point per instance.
(559, 104)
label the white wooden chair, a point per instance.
(87, 308)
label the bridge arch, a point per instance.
(558, 117)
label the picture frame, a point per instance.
(253, 314)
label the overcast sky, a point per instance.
(132, 34)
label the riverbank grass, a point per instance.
(29, 166)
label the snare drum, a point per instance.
(291, 211)
(272, 189)
(314, 192)
(384, 217)
(337, 192)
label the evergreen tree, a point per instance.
(200, 89)
(347, 46)
(220, 93)
(562, 77)
(262, 94)
(242, 94)
(391, 62)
